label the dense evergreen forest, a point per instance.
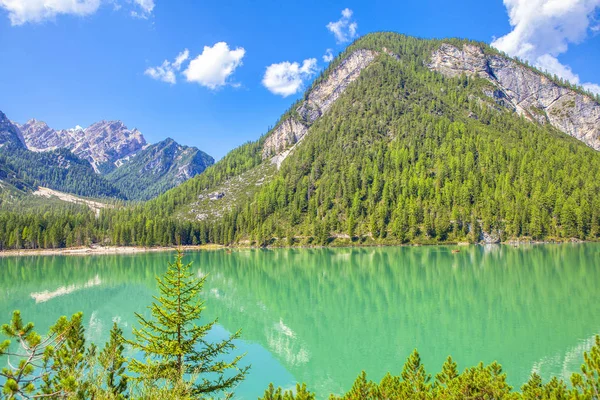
(157, 168)
(179, 362)
(59, 169)
(405, 155)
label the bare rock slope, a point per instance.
(528, 92)
(319, 100)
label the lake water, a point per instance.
(321, 316)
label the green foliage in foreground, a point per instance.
(479, 382)
(177, 360)
(174, 346)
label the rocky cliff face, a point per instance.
(525, 91)
(286, 134)
(103, 144)
(322, 97)
(319, 101)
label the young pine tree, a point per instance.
(114, 364)
(588, 382)
(69, 362)
(415, 380)
(177, 357)
(301, 393)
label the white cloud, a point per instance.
(214, 65)
(287, 78)
(328, 56)
(166, 71)
(592, 87)
(35, 11)
(343, 29)
(146, 7)
(23, 11)
(543, 29)
(181, 58)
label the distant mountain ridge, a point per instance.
(121, 163)
(10, 135)
(103, 143)
(22, 170)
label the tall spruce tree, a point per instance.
(177, 356)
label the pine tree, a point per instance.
(114, 364)
(69, 362)
(278, 394)
(36, 359)
(534, 388)
(175, 349)
(362, 389)
(588, 382)
(449, 373)
(415, 381)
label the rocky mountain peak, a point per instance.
(524, 90)
(130, 167)
(103, 143)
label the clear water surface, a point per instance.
(321, 316)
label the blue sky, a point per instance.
(75, 62)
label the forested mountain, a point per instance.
(400, 140)
(158, 168)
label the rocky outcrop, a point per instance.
(40, 137)
(318, 102)
(103, 144)
(321, 97)
(528, 92)
(285, 135)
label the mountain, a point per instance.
(104, 144)
(399, 140)
(408, 140)
(158, 168)
(24, 170)
(138, 171)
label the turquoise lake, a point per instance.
(320, 316)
